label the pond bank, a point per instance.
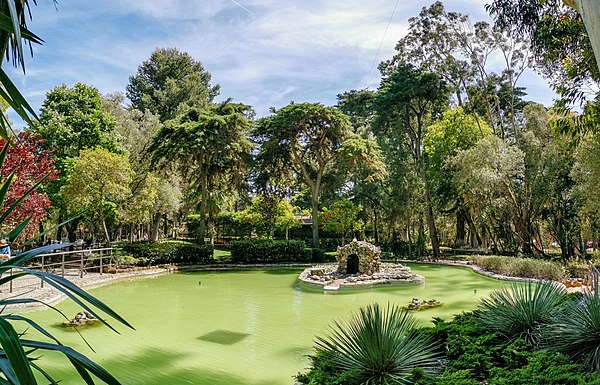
(30, 287)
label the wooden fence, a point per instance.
(75, 263)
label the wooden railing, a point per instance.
(67, 263)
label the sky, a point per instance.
(265, 53)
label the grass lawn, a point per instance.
(222, 254)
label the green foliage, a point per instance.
(170, 82)
(405, 249)
(20, 353)
(318, 255)
(521, 267)
(268, 212)
(330, 244)
(341, 218)
(301, 142)
(380, 345)
(474, 356)
(522, 310)
(209, 148)
(98, 183)
(156, 253)
(269, 251)
(324, 371)
(73, 119)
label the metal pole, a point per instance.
(42, 283)
(81, 272)
(11, 282)
(63, 265)
(101, 264)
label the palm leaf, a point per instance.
(12, 7)
(6, 24)
(14, 233)
(11, 344)
(18, 202)
(76, 358)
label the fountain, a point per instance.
(358, 266)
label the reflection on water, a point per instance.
(241, 327)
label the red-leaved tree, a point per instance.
(31, 163)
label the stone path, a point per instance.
(31, 287)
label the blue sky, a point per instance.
(263, 52)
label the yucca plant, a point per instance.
(521, 310)
(382, 346)
(577, 334)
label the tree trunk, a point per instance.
(375, 225)
(433, 235)
(315, 221)
(203, 209)
(105, 231)
(461, 234)
(475, 240)
(155, 226)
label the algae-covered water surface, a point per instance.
(235, 327)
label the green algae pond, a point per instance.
(248, 327)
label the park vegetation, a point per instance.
(448, 153)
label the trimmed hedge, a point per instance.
(270, 251)
(156, 253)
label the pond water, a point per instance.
(235, 327)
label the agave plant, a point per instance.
(522, 310)
(577, 333)
(381, 345)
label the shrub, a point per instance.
(521, 311)
(330, 244)
(154, 253)
(521, 267)
(269, 251)
(577, 334)
(316, 255)
(403, 249)
(381, 346)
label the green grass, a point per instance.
(221, 254)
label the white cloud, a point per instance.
(303, 51)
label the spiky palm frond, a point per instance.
(521, 310)
(381, 345)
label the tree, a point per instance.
(71, 120)
(356, 104)
(341, 218)
(268, 212)
(209, 148)
(18, 363)
(135, 129)
(99, 183)
(456, 131)
(509, 182)
(406, 104)
(169, 83)
(558, 41)
(31, 164)
(302, 140)
(449, 44)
